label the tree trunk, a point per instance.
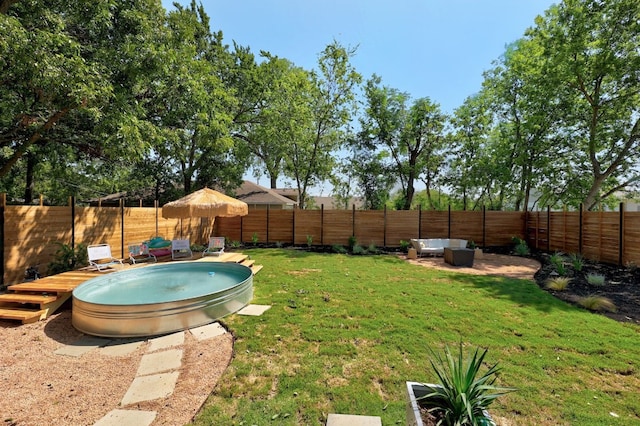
(29, 179)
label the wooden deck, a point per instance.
(36, 300)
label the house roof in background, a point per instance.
(252, 193)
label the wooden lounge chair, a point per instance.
(100, 257)
(216, 247)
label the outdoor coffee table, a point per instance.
(459, 256)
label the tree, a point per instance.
(331, 98)
(73, 76)
(592, 67)
(413, 137)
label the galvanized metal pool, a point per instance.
(160, 299)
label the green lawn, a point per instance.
(345, 332)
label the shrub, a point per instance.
(358, 249)
(309, 240)
(596, 279)
(353, 241)
(463, 394)
(67, 258)
(372, 249)
(337, 248)
(557, 260)
(577, 261)
(521, 248)
(279, 244)
(254, 238)
(558, 283)
(404, 245)
(597, 303)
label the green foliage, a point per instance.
(362, 325)
(279, 244)
(235, 244)
(596, 279)
(404, 245)
(68, 258)
(577, 261)
(337, 248)
(254, 238)
(357, 249)
(352, 242)
(309, 240)
(558, 283)
(372, 249)
(464, 394)
(471, 244)
(597, 303)
(520, 248)
(557, 260)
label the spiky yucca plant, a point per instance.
(463, 394)
(558, 283)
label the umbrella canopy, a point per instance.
(205, 203)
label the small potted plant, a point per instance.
(462, 396)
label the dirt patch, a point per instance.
(489, 264)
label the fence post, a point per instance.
(384, 227)
(3, 203)
(580, 230)
(122, 228)
(419, 219)
(621, 236)
(156, 204)
(484, 226)
(293, 226)
(548, 228)
(72, 201)
(322, 224)
(353, 220)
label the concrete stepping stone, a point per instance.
(82, 346)
(353, 420)
(254, 310)
(167, 341)
(208, 331)
(127, 417)
(148, 388)
(158, 362)
(121, 347)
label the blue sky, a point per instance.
(427, 48)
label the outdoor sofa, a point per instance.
(436, 246)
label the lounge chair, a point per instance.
(181, 249)
(100, 257)
(216, 247)
(139, 252)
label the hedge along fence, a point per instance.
(611, 237)
(383, 228)
(30, 234)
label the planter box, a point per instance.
(417, 390)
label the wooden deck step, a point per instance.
(27, 316)
(256, 269)
(248, 262)
(37, 299)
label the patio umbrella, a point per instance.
(205, 203)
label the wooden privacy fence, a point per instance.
(384, 228)
(611, 237)
(30, 233)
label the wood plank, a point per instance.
(27, 316)
(256, 269)
(38, 299)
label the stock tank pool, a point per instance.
(160, 299)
